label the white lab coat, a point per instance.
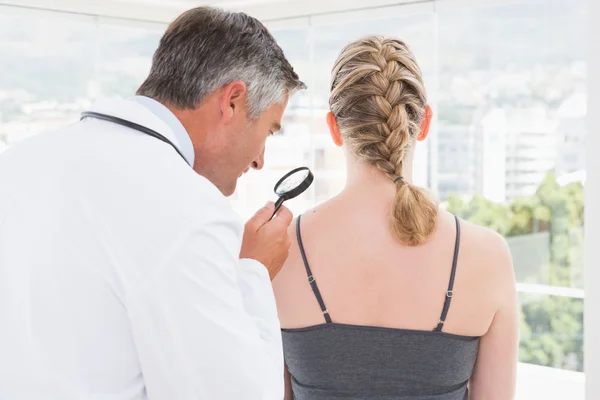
(120, 275)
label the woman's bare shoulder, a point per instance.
(486, 254)
(484, 244)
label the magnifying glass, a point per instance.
(292, 185)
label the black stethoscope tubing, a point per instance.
(131, 125)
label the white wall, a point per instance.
(592, 212)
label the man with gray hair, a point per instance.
(124, 272)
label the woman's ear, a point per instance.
(334, 130)
(426, 123)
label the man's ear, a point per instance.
(334, 130)
(233, 100)
(426, 123)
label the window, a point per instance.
(125, 56)
(509, 74)
(55, 65)
(46, 72)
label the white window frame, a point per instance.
(105, 8)
(591, 315)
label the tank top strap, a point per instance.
(311, 278)
(450, 291)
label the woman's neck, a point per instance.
(362, 175)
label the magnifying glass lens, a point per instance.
(292, 185)
(291, 182)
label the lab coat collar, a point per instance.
(134, 111)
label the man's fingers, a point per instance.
(262, 216)
(284, 215)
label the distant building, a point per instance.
(503, 154)
(472, 157)
(491, 155)
(531, 149)
(457, 164)
(571, 131)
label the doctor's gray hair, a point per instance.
(206, 48)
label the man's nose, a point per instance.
(259, 162)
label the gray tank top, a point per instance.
(341, 361)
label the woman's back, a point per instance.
(369, 283)
(388, 300)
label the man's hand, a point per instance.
(267, 241)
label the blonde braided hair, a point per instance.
(378, 100)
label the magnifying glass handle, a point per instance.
(277, 206)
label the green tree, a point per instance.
(482, 211)
(551, 326)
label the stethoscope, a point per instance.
(289, 186)
(131, 125)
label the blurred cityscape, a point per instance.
(504, 119)
(502, 151)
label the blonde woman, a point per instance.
(385, 295)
